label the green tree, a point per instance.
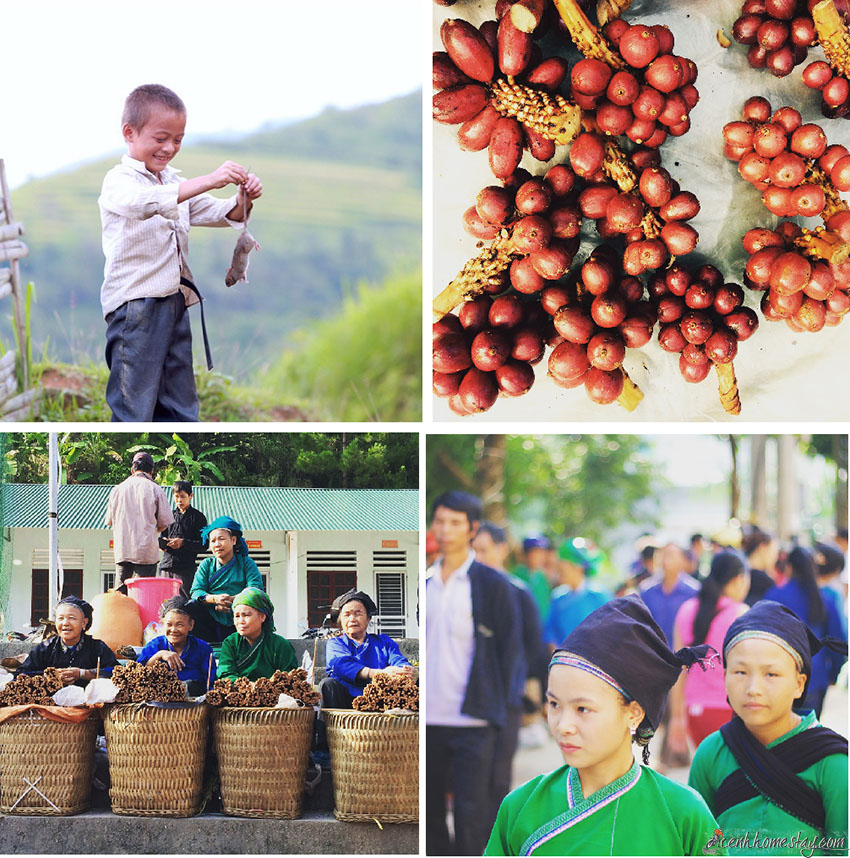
(565, 485)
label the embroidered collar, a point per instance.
(580, 808)
(241, 661)
(70, 649)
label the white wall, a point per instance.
(291, 620)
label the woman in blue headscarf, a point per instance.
(220, 577)
(253, 650)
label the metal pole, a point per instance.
(53, 523)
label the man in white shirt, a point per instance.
(473, 644)
(146, 211)
(137, 511)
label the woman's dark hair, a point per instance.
(725, 566)
(175, 603)
(459, 502)
(496, 533)
(803, 570)
(829, 560)
(753, 540)
(183, 486)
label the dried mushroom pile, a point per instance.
(32, 689)
(386, 691)
(141, 682)
(263, 691)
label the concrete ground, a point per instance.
(529, 762)
(102, 832)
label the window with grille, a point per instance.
(390, 568)
(329, 574)
(40, 604)
(107, 568)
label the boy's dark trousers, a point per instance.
(149, 354)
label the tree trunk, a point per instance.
(839, 454)
(758, 511)
(734, 485)
(490, 477)
(787, 487)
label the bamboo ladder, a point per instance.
(13, 405)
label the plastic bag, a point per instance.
(70, 695)
(152, 630)
(286, 702)
(101, 691)
(5, 678)
(307, 664)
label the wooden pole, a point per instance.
(16, 279)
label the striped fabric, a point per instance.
(750, 634)
(142, 225)
(569, 659)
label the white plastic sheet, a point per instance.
(782, 375)
(70, 695)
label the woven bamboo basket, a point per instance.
(56, 757)
(375, 764)
(156, 758)
(262, 759)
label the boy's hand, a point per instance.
(229, 173)
(253, 187)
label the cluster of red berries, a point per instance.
(649, 99)
(777, 152)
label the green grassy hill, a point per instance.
(342, 204)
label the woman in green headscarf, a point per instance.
(254, 650)
(574, 599)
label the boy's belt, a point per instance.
(190, 285)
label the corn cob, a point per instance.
(586, 37)
(822, 244)
(551, 116)
(619, 169)
(607, 10)
(488, 267)
(834, 203)
(727, 387)
(833, 35)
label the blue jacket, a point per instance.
(345, 658)
(498, 644)
(825, 664)
(196, 657)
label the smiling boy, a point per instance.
(146, 211)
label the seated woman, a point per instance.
(254, 650)
(771, 773)
(220, 577)
(189, 657)
(356, 657)
(608, 682)
(75, 653)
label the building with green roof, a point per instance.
(310, 546)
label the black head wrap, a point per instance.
(81, 604)
(353, 596)
(623, 640)
(771, 621)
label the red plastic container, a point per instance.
(150, 593)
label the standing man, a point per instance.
(473, 643)
(664, 600)
(182, 541)
(137, 511)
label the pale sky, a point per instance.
(237, 66)
(692, 460)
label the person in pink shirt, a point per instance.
(698, 703)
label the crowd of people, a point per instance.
(726, 646)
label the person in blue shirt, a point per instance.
(820, 612)
(189, 657)
(574, 599)
(356, 657)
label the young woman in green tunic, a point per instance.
(254, 650)
(775, 780)
(607, 686)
